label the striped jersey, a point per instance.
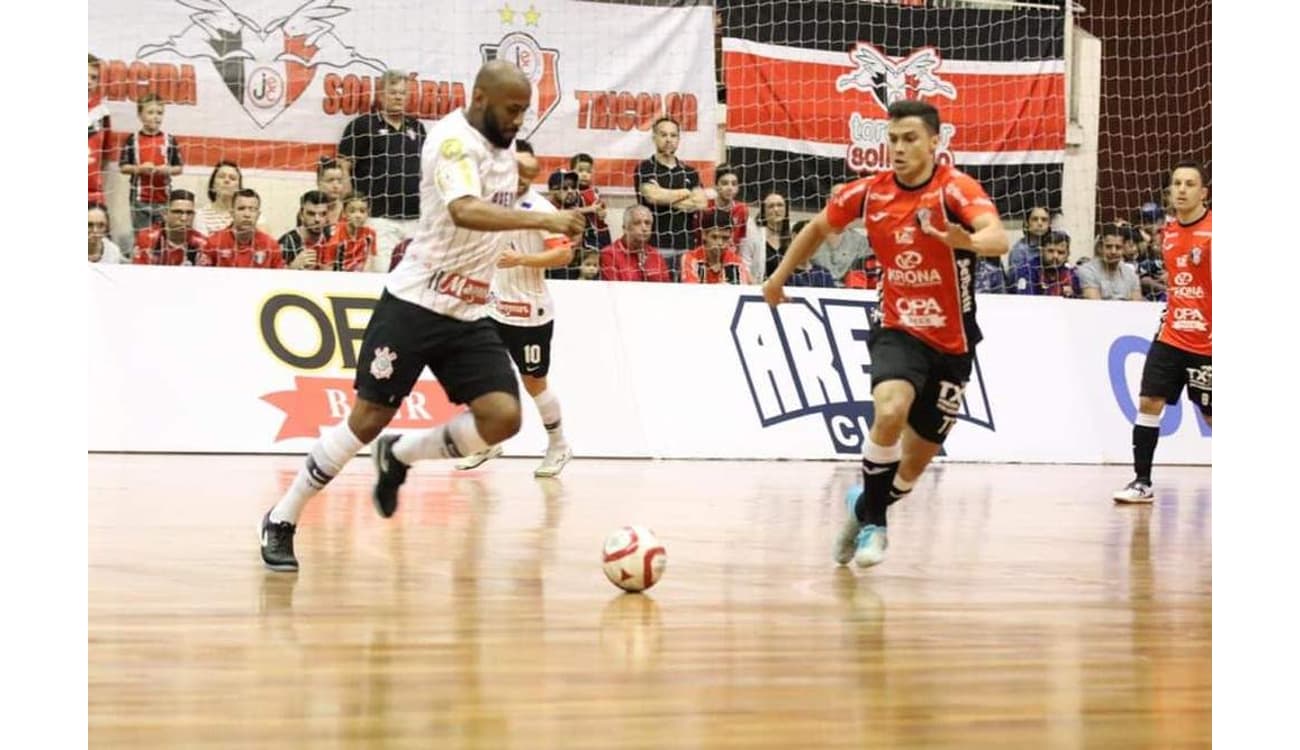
(446, 269)
(519, 294)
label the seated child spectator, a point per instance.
(716, 261)
(590, 268)
(354, 246)
(597, 233)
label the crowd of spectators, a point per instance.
(364, 208)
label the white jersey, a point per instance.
(519, 294)
(447, 269)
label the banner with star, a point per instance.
(272, 83)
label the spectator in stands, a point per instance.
(332, 181)
(175, 242)
(632, 257)
(1047, 274)
(380, 152)
(225, 181)
(716, 261)
(562, 192)
(242, 244)
(725, 197)
(597, 233)
(1132, 237)
(304, 246)
(1151, 218)
(590, 268)
(151, 158)
(1107, 276)
(353, 246)
(865, 275)
(673, 192)
(1037, 223)
(97, 132)
(990, 276)
(810, 273)
(100, 249)
(773, 231)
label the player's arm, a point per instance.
(558, 253)
(472, 212)
(989, 238)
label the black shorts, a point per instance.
(529, 346)
(1168, 369)
(402, 338)
(939, 379)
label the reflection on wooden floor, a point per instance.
(1018, 608)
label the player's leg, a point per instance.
(558, 452)
(1163, 378)
(898, 368)
(473, 367)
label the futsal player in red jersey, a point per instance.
(1180, 355)
(927, 223)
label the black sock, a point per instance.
(1144, 450)
(896, 494)
(877, 480)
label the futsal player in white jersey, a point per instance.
(525, 314)
(433, 311)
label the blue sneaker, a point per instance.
(871, 545)
(846, 544)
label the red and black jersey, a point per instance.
(224, 250)
(927, 288)
(1186, 322)
(154, 248)
(347, 251)
(596, 235)
(97, 146)
(158, 149)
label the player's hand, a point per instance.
(600, 210)
(305, 260)
(510, 258)
(953, 235)
(774, 292)
(567, 223)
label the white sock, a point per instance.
(336, 446)
(548, 406)
(883, 454)
(455, 439)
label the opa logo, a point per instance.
(908, 259)
(1183, 279)
(917, 306)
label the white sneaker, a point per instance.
(475, 460)
(872, 544)
(1136, 491)
(553, 464)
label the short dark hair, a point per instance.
(248, 193)
(353, 197)
(914, 108)
(1056, 237)
(665, 118)
(579, 158)
(1110, 230)
(212, 180)
(325, 164)
(180, 195)
(1191, 164)
(311, 196)
(523, 147)
(722, 171)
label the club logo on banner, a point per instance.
(540, 64)
(810, 358)
(303, 334)
(266, 68)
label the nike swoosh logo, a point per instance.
(263, 537)
(875, 471)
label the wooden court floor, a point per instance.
(1018, 608)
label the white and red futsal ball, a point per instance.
(633, 558)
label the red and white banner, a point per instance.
(272, 83)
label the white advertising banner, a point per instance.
(233, 360)
(271, 83)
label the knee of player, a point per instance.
(367, 422)
(500, 421)
(1152, 405)
(892, 411)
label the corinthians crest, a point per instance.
(265, 67)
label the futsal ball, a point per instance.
(633, 558)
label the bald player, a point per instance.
(525, 315)
(433, 311)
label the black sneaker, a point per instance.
(277, 544)
(391, 474)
